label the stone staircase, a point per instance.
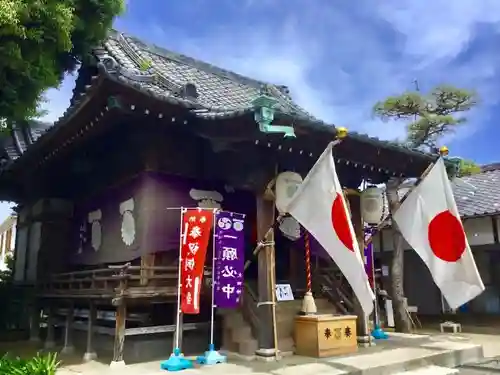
(240, 337)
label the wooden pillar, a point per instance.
(35, 322)
(147, 263)
(121, 319)
(357, 221)
(265, 219)
(293, 268)
(68, 330)
(50, 340)
(90, 354)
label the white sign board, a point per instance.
(385, 270)
(284, 292)
(390, 313)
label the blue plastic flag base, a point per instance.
(176, 362)
(211, 357)
(379, 334)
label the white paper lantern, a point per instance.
(372, 205)
(290, 228)
(287, 184)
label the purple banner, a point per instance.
(369, 256)
(229, 259)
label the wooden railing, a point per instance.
(250, 310)
(117, 281)
(330, 286)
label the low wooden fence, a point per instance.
(116, 281)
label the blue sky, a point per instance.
(338, 57)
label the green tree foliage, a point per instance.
(6, 275)
(468, 168)
(40, 41)
(429, 116)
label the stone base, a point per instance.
(49, 345)
(365, 341)
(266, 355)
(88, 357)
(68, 350)
(117, 364)
(35, 339)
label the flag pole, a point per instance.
(177, 362)
(377, 331)
(212, 356)
(179, 285)
(212, 306)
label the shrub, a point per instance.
(42, 364)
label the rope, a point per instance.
(308, 261)
(266, 243)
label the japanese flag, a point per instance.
(318, 204)
(429, 221)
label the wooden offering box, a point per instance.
(325, 335)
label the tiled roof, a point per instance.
(207, 91)
(19, 139)
(220, 93)
(490, 167)
(478, 194)
(169, 75)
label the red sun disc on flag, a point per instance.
(340, 222)
(447, 237)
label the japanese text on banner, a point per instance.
(195, 234)
(230, 259)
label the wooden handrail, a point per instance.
(249, 309)
(115, 282)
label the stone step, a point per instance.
(430, 370)
(234, 320)
(241, 333)
(286, 344)
(248, 347)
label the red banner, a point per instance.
(195, 234)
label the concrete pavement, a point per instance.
(422, 354)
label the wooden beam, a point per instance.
(138, 331)
(121, 318)
(35, 322)
(265, 219)
(495, 229)
(50, 339)
(147, 271)
(90, 354)
(68, 330)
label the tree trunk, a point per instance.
(401, 318)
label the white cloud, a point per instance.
(337, 60)
(437, 29)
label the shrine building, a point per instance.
(148, 131)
